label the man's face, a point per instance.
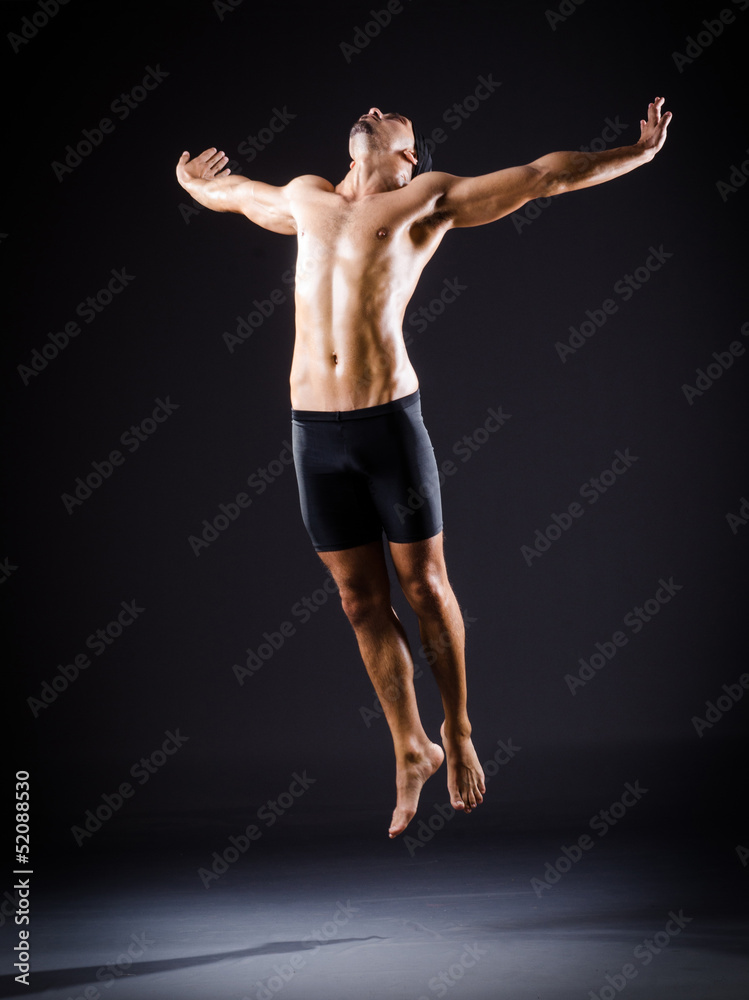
(389, 131)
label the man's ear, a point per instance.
(351, 165)
(410, 155)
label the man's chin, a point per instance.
(362, 126)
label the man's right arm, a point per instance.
(207, 179)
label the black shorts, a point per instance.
(364, 471)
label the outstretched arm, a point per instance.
(208, 180)
(473, 201)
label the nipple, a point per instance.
(382, 233)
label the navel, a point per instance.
(335, 359)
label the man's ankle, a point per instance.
(458, 729)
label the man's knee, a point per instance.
(428, 593)
(362, 604)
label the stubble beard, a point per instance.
(359, 127)
(371, 141)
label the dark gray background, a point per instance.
(493, 347)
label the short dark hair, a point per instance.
(423, 156)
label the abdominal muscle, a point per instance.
(349, 372)
(349, 351)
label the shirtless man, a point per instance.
(359, 441)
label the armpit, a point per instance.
(424, 229)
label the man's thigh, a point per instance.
(419, 561)
(335, 500)
(404, 478)
(360, 569)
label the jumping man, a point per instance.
(360, 444)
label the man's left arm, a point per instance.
(474, 201)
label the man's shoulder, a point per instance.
(309, 182)
(427, 193)
(431, 180)
(427, 189)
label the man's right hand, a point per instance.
(210, 164)
(263, 204)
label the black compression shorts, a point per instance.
(364, 471)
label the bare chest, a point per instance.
(357, 229)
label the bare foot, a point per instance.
(465, 776)
(410, 775)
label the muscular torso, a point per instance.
(358, 264)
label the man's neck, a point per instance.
(371, 176)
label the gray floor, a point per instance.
(323, 919)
